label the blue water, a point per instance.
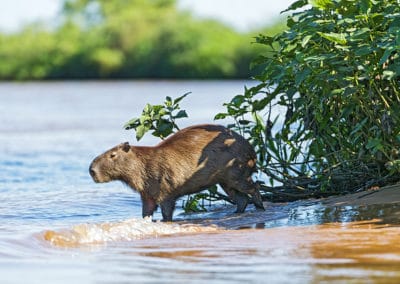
(50, 132)
(58, 226)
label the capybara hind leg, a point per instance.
(250, 187)
(167, 209)
(148, 206)
(239, 198)
(241, 201)
(257, 200)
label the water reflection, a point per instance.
(320, 214)
(355, 252)
(309, 243)
(301, 213)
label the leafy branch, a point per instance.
(161, 119)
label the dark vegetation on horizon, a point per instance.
(128, 39)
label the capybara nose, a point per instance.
(92, 172)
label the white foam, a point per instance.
(127, 230)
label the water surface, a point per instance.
(57, 226)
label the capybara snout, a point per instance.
(106, 167)
(187, 162)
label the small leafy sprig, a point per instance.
(161, 119)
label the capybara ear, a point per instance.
(126, 147)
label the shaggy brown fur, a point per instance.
(189, 161)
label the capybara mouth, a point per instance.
(97, 176)
(95, 179)
(94, 176)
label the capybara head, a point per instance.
(111, 165)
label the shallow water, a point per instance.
(57, 226)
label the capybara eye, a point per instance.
(112, 155)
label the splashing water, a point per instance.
(127, 230)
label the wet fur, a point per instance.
(187, 162)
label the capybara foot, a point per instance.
(241, 201)
(257, 200)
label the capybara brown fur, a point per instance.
(189, 161)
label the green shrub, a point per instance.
(334, 76)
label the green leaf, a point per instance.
(388, 74)
(362, 33)
(177, 100)
(296, 5)
(260, 104)
(168, 103)
(373, 143)
(145, 118)
(133, 123)
(305, 40)
(258, 119)
(359, 126)
(385, 56)
(181, 114)
(264, 39)
(302, 75)
(220, 116)
(148, 108)
(363, 50)
(238, 100)
(321, 4)
(334, 37)
(140, 131)
(244, 122)
(163, 128)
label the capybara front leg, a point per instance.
(148, 206)
(167, 209)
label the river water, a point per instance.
(57, 226)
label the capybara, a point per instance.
(189, 161)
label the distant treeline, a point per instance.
(128, 39)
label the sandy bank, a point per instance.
(385, 195)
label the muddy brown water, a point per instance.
(299, 242)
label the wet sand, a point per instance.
(385, 195)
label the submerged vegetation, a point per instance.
(127, 39)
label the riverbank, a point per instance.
(380, 205)
(384, 195)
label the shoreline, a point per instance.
(383, 195)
